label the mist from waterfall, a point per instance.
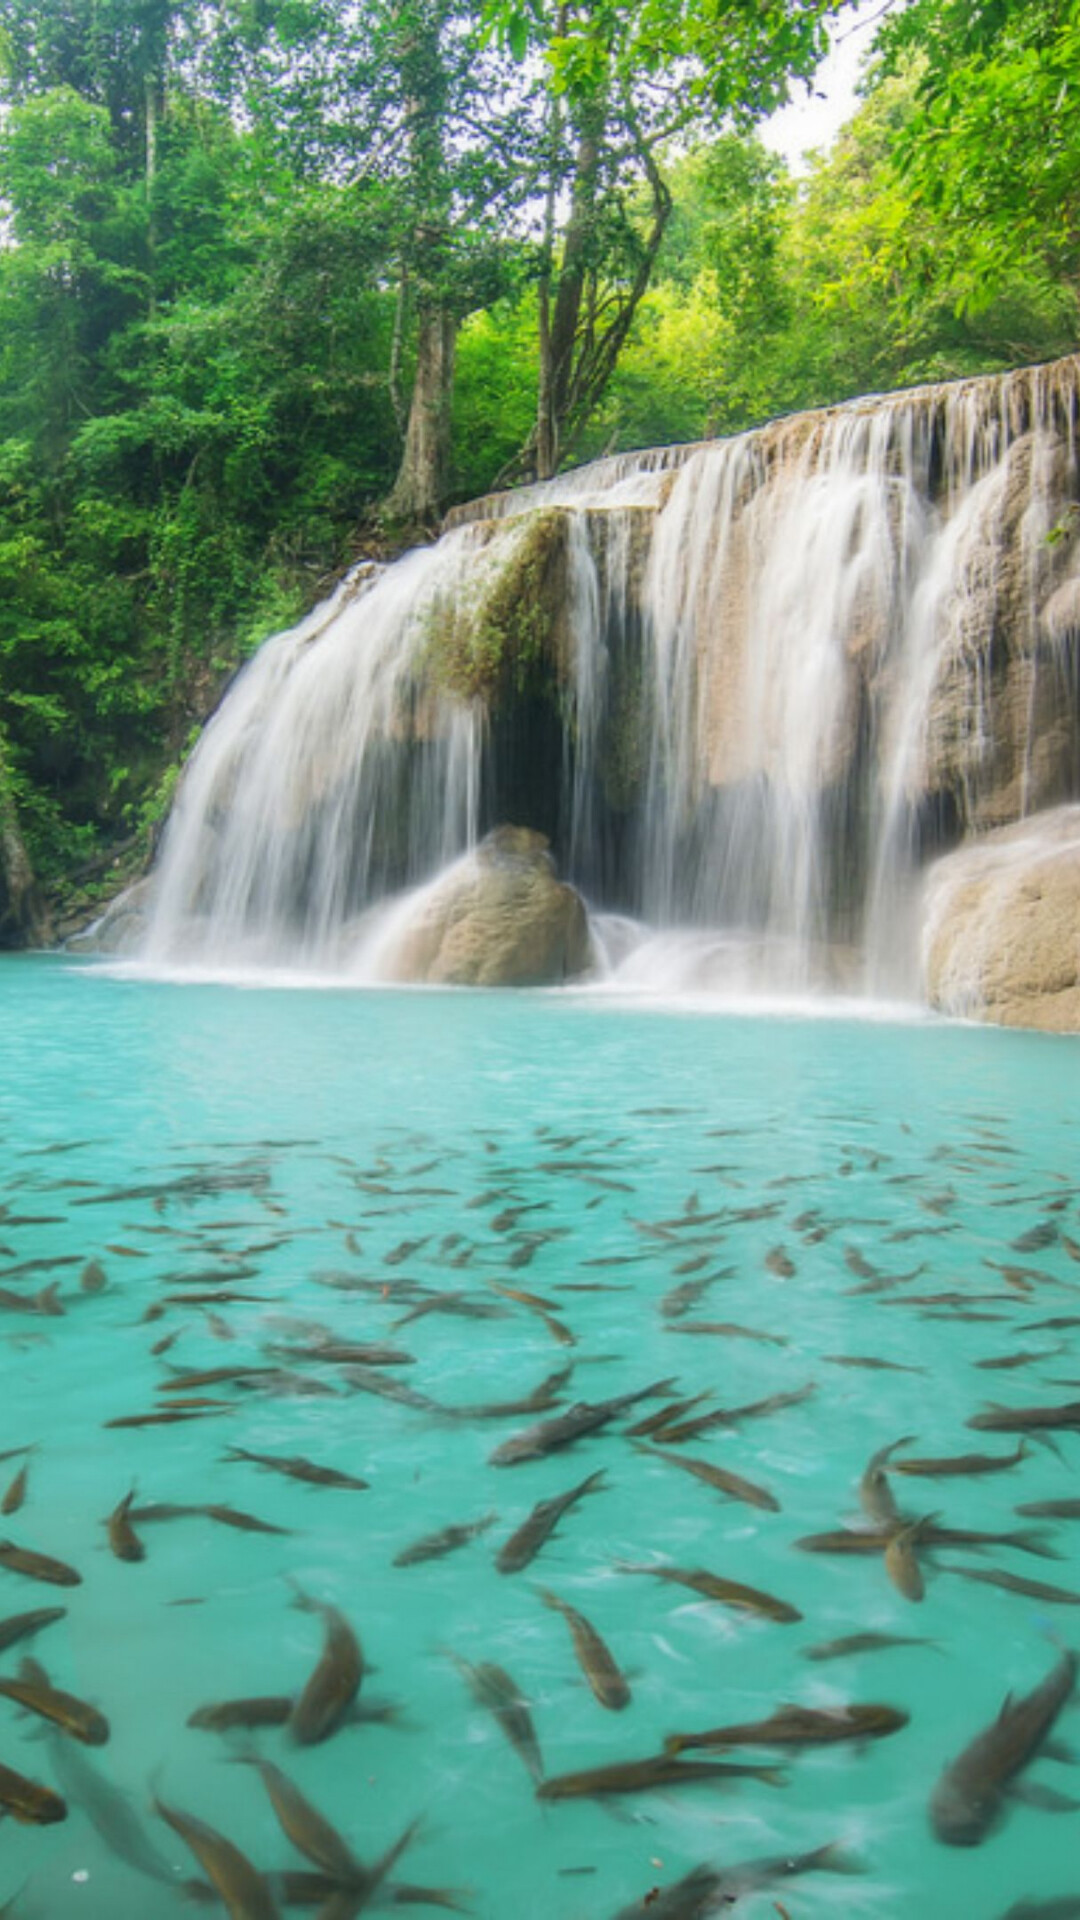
(782, 679)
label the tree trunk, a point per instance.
(559, 333)
(420, 488)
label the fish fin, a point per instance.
(834, 1857)
(549, 1599)
(1032, 1793)
(1059, 1750)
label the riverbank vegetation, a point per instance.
(282, 279)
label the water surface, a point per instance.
(289, 1146)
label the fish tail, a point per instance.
(772, 1776)
(677, 1742)
(550, 1599)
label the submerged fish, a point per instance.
(967, 1800)
(850, 1643)
(794, 1726)
(963, 1463)
(20, 1626)
(708, 1890)
(526, 1541)
(721, 1478)
(27, 1801)
(335, 1680)
(608, 1684)
(295, 1467)
(729, 1593)
(33, 1690)
(492, 1687)
(546, 1436)
(244, 1891)
(123, 1538)
(433, 1545)
(109, 1810)
(659, 1770)
(37, 1566)
(309, 1831)
(1027, 1419)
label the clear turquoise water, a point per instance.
(961, 1136)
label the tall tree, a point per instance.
(623, 78)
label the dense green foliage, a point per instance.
(231, 233)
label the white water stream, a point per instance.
(811, 652)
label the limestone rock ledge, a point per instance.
(497, 918)
(1001, 925)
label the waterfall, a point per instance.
(745, 687)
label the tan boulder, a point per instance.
(1001, 926)
(497, 918)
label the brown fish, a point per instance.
(963, 1463)
(724, 1481)
(335, 1680)
(660, 1770)
(20, 1626)
(731, 1416)
(729, 1593)
(37, 1566)
(225, 1716)
(492, 1687)
(794, 1726)
(595, 1659)
(295, 1467)
(308, 1830)
(1051, 1509)
(33, 1691)
(123, 1538)
(546, 1436)
(1016, 1583)
(526, 1541)
(901, 1559)
(433, 1545)
(967, 1800)
(16, 1493)
(851, 1643)
(875, 1494)
(28, 1802)
(730, 1330)
(1027, 1419)
(245, 1893)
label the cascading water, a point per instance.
(745, 688)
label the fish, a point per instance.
(20, 1626)
(170, 1416)
(963, 1463)
(226, 1716)
(335, 1681)
(526, 1541)
(707, 1890)
(680, 1299)
(538, 1401)
(492, 1687)
(966, 1802)
(27, 1801)
(301, 1823)
(190, 1382)
(609, 1685)
(123, 1539)
(242, 1522)
(875, 1494)
(37, 1566)
(546, 1436)
(16, 1493)
(901, 1559)
(666, 1416)
(875, 1540)
(244, 1891)
(729, 1593)
(851, 1643)
(721, 1478)
(431, 1546)
(869, 1361)
(46, 1302)
(295, 1467)
(1027, 1419)
(1036, 1509)
(32, 1690)
(1016, 1583)
(779, 1262)
(659, 1770)
(1043, 1234)
(109, 1810)
(794, 1726)
(730, 1416)
(729, 1329)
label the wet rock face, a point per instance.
(1001, 930)
(121, 927)
(498, 918)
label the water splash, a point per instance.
(756, 683)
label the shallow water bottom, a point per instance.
(503, 1189)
